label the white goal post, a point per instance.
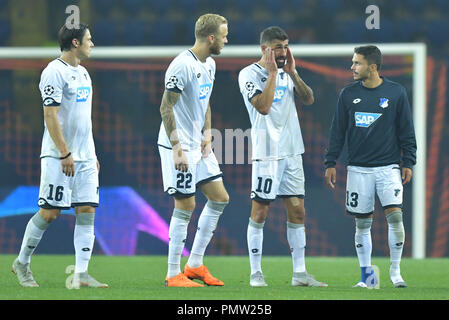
(417, 50)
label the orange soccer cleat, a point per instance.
(201, 273)
(181, 281)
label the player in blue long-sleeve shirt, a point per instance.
(373, 115)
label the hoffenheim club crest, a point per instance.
(383, 103)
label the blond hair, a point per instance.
(208, 24)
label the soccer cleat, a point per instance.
(398, 282)
(203, 274)
(84, 280)
(181, 281)
(24, 274)
(360, 285)
(304, 279)
(257, 280)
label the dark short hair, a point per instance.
(272, 33)
(66, 35)
(371, 53)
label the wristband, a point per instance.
(68, 155)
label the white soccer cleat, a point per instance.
(84, 280)
(257, 280)
(398, 282)
(303, 279)
(360, 285)
(24, 274)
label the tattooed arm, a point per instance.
(169, 100)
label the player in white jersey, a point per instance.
(69, 165)
(185, 149)
(269, 88)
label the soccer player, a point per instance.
(69, 165)
(374, 114)
(269, 88)
(187, 159)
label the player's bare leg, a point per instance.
(218, 199)
(83, 239)
(34, 231)
(177, 236)
(296, 237)
(259, 212)
(396, 238)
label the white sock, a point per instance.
(31, 238)
(207, 224)
(255, 241)
(362, 239)
(177, 234)
(396, 238)
(296, 236)
(83, 240)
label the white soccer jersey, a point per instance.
(276, 135)
(194, 80)
(70, 88)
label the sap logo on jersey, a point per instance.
(365, 119)
(279, 93)
(204, 90)
(82, 94)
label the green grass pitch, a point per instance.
(142, 277)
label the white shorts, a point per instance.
(277, 178)
(58, 191)
(184, 184)
(364, 183)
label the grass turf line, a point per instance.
(142, 277)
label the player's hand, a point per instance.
(206, 148)
(331, 177)
(180, 159)
(290, 65)
(407, 174)
(68, 166)
(270, 61)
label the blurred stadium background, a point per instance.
(134, 211)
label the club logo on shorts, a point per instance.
(49, 90)
(365, 119)
(171, 191)
(383, 103)
(82, 94)
(204, 90)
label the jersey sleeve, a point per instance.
(177, 76)
(249, 84)
(337, 133)
(51, 85)
(406, 131)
